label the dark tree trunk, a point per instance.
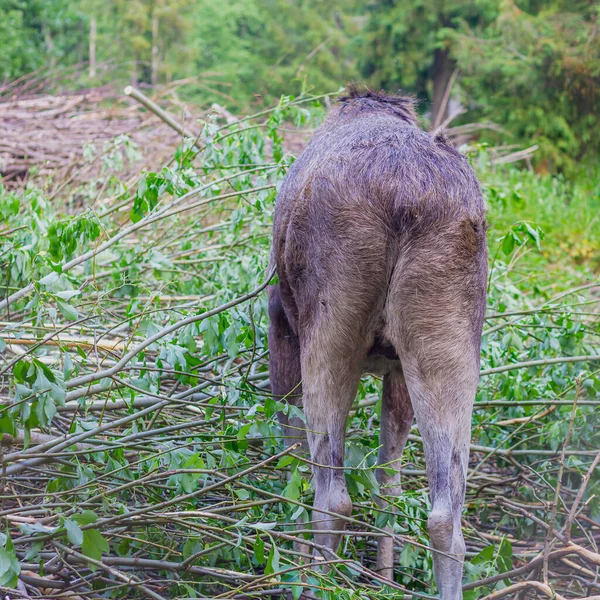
(441, 74)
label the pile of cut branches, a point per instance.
(141, 454)
(68, 136)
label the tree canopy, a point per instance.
(531, 67)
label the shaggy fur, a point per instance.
(379, 243)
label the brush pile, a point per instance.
(65, 136)
(141, 453)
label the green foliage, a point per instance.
(530, 67)
(545, 57)
(490, 561)
(202, 241)
(401, 40)
(9, 564)
(67, 235)
(149, 189)
(94, 545)
(37, 33)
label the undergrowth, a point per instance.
(141, 450)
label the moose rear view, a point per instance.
(379, 242)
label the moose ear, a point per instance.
(440, 137)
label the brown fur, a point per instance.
(379, 243)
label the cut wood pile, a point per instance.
(69, 135)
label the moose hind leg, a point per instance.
(442, 392)
(330, 382)
(435, 310)
(396, 421)
(285, 376)
(446, 435)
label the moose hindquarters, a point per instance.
(434, 317)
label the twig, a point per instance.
(558, 484)
(579, 497)
(158, 111)
(513, 589)
(129, 580)
(540, 363)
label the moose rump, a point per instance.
(379, 244)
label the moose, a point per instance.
(379, 241)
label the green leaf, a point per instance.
(187, 481)
(264, 526)
(408, 556)
(49, 279)
(7, 425)
(272, 565)
(74, 533)
(68, 365)
(5, 562)
(67, 294)
(34, 550)
(508, 243)
(67, 310)
(292, 489)
(20, 370)
(94, 544)
(259, 550)
(86, 517)
(284, 461)
(123, 547)
(231, 342)
(243, 431)
(142, 187)
(505, 553)
(190, 548)
(534, 234)
(486, 555)
(146, 197)
(9, 567)
(296, 514)
(45, 369)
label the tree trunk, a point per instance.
(93, 47)
(442, 72)
(49, 45)
(155, 56)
